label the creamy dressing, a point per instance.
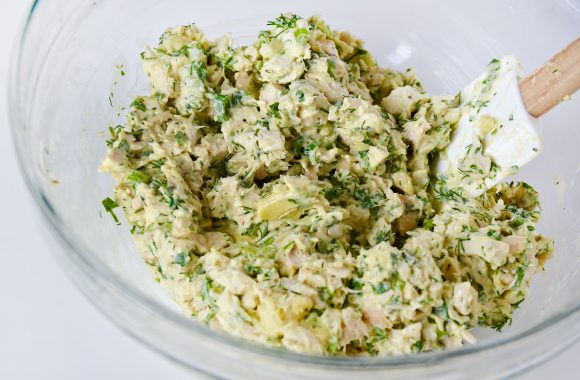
(283, 192)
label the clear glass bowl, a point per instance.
(64, 73)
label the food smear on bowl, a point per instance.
(284, 192)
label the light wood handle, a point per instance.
(553, 81)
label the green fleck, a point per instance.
(301, 34)
(379, 336)
(300, 96)
(440, 333)
(428, 224)
(138, 177)
(274, 111)
(183, 51)
(180, 137)
(363, 196)
(237, 98)
(517, 221)
(380, 288)
(332, 346)
(356, 283)
(360, 51)
(138, 103)
(331, 65)
(253, 270)
(383, 235)
(333, 192)
(182, 259)
(221, 106)
(284, 22)
(199, 68)
(520, 275)
(417, 346)
(310, 151)
(109, 206)
(325, 293)
(442, 311)
(364, 158)
(298, 145)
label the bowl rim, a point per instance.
(97, 272)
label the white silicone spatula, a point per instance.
(497, 132)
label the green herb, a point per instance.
(138, 177)
(114, 135)
(199, 68)
(517, 221)
(417, 346)
(494, 234)
(459, 248)
(180, 137)
(442, 192)
(274, 111)
(267, 241)
(298, 145)
(237, 98)
(325, 293)
(284, 22)
(380, 288)
(184, 50)
(251, 230)
(520, 275)
(182, 259)
(109, 206)
(206, 297)
(442, 311)
(363, 196)
(332, 346)
(356, 283)
(359, 51)
(137, 229)
(379, 336)
(301, 34)
(364, 157)
(383, 236)
(252, 270)
(158, 163)
(221, 106)
(138, 103)
(300, 96)
(331, 65)
(172, 201)
(310, 151)
(498, 326)
(333, 192)
(264, 123)
(428, 224)
(440, 333)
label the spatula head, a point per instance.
(495, 135)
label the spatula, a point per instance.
(498, 130)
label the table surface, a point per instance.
(47, 329)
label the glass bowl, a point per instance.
(66, 89)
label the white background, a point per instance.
(47, 329)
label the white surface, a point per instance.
(47, 329)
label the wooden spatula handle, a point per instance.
(553, 81)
